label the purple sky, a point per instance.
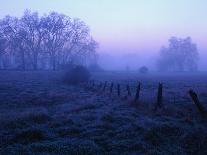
(122, 26)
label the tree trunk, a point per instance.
(23, 61)
(53, 63)
(35, 61)
(1, 62)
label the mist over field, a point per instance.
(120, 61)
(103, 77)
(135, 60)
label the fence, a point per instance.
(127, 91)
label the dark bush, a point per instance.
(143, 70)
(95, 67)
(66, 66)
(76, 75)
(29, 136)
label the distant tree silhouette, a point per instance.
(127, 68)
(180, 55)
(143, 70)
(2, 49)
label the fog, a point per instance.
(131, 60)
(93, 77)
(129, 33)
(111, 62)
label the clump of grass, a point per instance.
(73, 146)
(26, 119)
(162, 134)
(29, 136)
(108, 118)
(38, 118)
(195, 142)
(85, 107)
(71, 131)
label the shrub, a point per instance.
(76, 75)
(143, 70)
(94, 67)
(66, 66)
(29, 136)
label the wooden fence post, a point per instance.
(196, 101)
(111, 87)
(93, 84)
(128, 90)
(159, 96)
(118, 89)
(137, 92)
(100, 85)
(105, 84)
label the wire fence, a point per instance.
(156, 93)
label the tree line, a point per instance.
(180, 55)
(50, 41)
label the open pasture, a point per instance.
(39, 114)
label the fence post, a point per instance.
(105, 84)
(93, 84)
(118, 89)
(128, 90)
(159, 96)
(196, 101)
(100, 85)
(137, 92)
(111, 87)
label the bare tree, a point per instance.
(3, 44)
(54, 27)
(32, 35)
(76, 41)
(9, 31)
(53, 39)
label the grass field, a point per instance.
(39, 114)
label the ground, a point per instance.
(40, 114)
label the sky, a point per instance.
(127, 26)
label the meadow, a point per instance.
(40, 114)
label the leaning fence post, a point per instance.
(128, 90)
(105, 84)
(196, 101)
(159, 96)
(111, 87)
(137, 92)
(118, 89)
